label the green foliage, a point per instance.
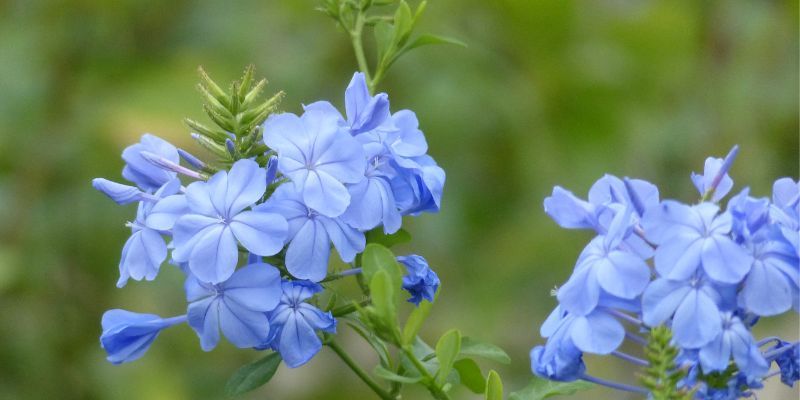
(447, 349)
(661, 376)
(539, 389)
(379, 258)
(377, 236)
(470, 375)
(391, 32)
(494, 386)
(415, 320)
(237, 113)
(253, 375)
(471, 347)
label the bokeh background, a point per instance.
(548, 92)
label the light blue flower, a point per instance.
(703, 182)
(734, 341)
(605, 265)
(772, 285)
(145, 250)
(317, 156)
(310, 235)
(127, 335)
(785, 210)
(294, 323)
(143, 173)
(419, 189)
(121, 194)
(688, 237)
(207, 235)
(749, 215)
(237, 306)
(694, 306)
(420, 281)
(364, 112)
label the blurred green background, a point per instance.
(549, 92)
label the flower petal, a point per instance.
(203, 317)
(260, 232)
(298, 342)
(597, 333)
(308, 252)
(215, 255)
(724, 261)
(255, 286)
(324, 194)
(142, 256)
(242, 326)
(697, 320)
(660, 300)
(246, 184)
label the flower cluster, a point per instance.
(706, 273)
(254, 239)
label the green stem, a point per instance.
(358, 47)
(383, 394)
(428, 380)
(349, 308)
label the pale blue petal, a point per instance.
(660, 300)
(243, 327)
(215, 255)
(766, 291)
(411, 141)
(324, 194)
(316, 318)
(623, 274)
(697, 321)
(255, 286)
(246, 184)
(581, 293)
(343, 159)
(347, 240)
(286, 134)
(679, 257)
(203, 317)
(597, 333)
(716, 355)
(298, 342)
(198, 198)
(186, 233)
(166, 211)
(307, 254)
(260, 232)
(724, 261)
(663, 221)
(569, 211)
(142, 256)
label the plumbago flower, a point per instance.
(695, 278)
(285, 190)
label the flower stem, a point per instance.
(340, 275)
(613, 385)
(383, 394)
(428, 380)
(358, 47)
(630, 358)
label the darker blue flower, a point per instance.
(142, 172)
(788, 361)
(310, 235)
(295, 323)
(420, 281)
(207, 235)
(237, 306)
(317, 156)
(127, 335)
(735, 341)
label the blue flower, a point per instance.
(788, 362)
(310, 235)
(317, 156)
(419, 189)
(785, 210)
(694, 306)
(237, 306)
(597, 332)
(688, 237)
(737, 342)
(420, 281)
(604, 264)
(771, 287)
(142, 172)
(127, 335)
(294, 323)
(372, 199)
(206, 236)
(563, 364)
(749, 215)
(703, 183)
(364, 112)
(145, 250)
(121, 194)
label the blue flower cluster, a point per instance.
(329, 179)
(706, 273)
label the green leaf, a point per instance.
(383, 298)
(415, 320)
(470, 374)
(377, 236)
(540, 389)
(252, 375)
(384, 373)
(428, 39)
(403, 23)
(475, 348)
(378, 258)
(377, 344)
(384, 32)
(446, 351)
(494, 386)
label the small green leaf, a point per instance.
(540, 389)
(384, 32)
(474, 348)
(378, 258)
(384, 299)
(377, 236)
(470, 374)
(253, 375)
(494, 386)
(428, 39)
(415, 320)
(446, 351)
(384, 373)
(403, 23)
